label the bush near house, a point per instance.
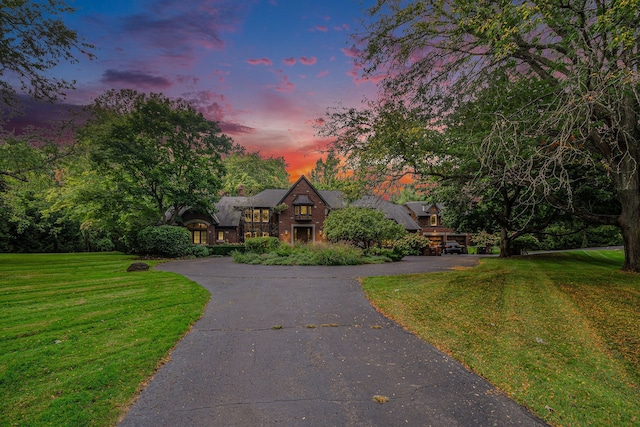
(318, 254)
(165, 240)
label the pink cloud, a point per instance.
(308, 61)
(351, 52)
(322, 28)
(342, 27)
(285, 85)
(259, 61)
(289, 61)
(323, 73)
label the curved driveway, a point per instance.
(301, 346)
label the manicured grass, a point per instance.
(78, 334)
(558, 333)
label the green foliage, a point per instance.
(318, 254)
(159, 151)
(199, 251)
(165, 240)
(225, 250)
(411, 244)
(361, 226)
(485, 239)
(253, 173)
(536, 102)
(33, 40)
(390, 254)
(261, 245)
(82, 362)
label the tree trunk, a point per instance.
(504, 242)
(630, 226)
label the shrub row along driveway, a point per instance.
(302, 346)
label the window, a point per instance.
(434, 220)
(198, 233)
(220, 236)
(302, 212)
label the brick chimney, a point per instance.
(241, 190)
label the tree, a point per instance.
(331, 174)
(157, 151)
(253, 173)
(586, 53)
(361, 226)
(33, 40)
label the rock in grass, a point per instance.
(138, 266)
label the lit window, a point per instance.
(302, 211)
(434, 220)
(220, 236)
(198, 233)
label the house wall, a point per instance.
(231, 235)
(286, 219)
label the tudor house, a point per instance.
(297, 215)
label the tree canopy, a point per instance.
(156, 149)
(253, 173)
(582, 55)
(33, 40)
(361, 226)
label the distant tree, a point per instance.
(33, 40)
(253, 173)
(361, 226)
(159, 151)
(332, 174)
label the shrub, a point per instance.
(337, 254)
(411, 244)
(261, 245)
(165, 240)
(199, 251)
(105, 245)
(390, 254)
(225, 250)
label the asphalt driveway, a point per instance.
(301, 346)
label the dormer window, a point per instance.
(302, 206)
(433, 220)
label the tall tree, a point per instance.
(33, 40)
(332, 174)
(585, 52)
(156, 149)
(253, 173)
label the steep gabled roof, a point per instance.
(398, 213)
(421, 209)
(295, 185)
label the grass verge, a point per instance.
(558, 333)
(78, 334)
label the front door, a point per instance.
(302, 234)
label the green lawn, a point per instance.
(558, 333)
(78, 334)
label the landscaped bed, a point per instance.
(78, 334)
(558, 333)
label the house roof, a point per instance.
(334, 198)
(227, 214)
(421, 209)
(398, 213)
(302, 200)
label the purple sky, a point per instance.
(264, 69)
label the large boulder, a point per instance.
(138, 266)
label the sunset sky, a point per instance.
(264, 69)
